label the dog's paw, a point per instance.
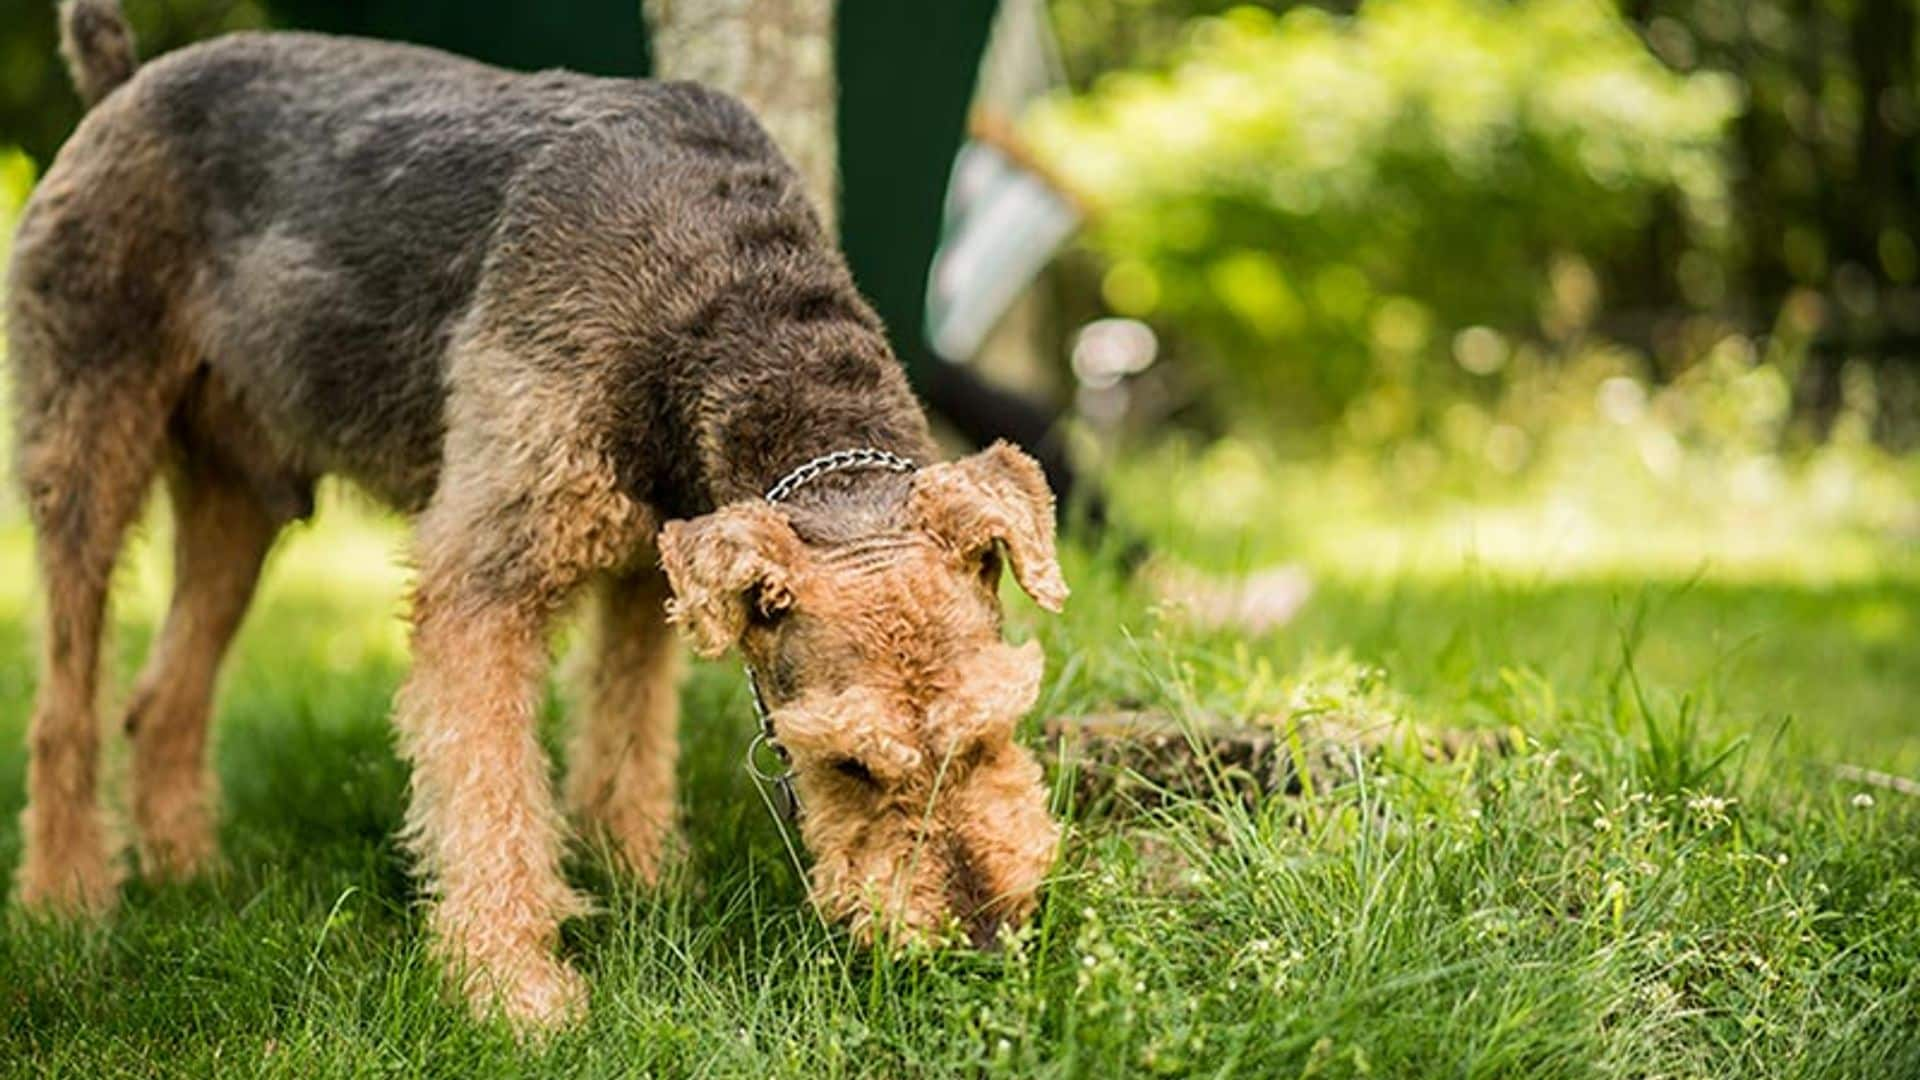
(535, 995)
(644, 857)
(70, 887)
(183, 849)
(640, 846)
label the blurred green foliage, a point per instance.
(38, 107)
(16, 182)
(1334, 205)
(1099, 36)
(1826, 152)
(37, 104)
(1320, 200)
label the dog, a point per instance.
(578, 329)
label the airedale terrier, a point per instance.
(577, 328)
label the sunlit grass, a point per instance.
(1598, 517)
(1666, 877)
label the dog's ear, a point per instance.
(1000, 497)
(725, 566)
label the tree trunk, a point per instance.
(775, 55)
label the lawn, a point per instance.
(1666, 875)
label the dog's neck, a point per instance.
(841, 507)
(854, 492)
(753, 432)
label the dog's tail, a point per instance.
(98, 46)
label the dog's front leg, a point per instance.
(528, 509)
(482, 821)
(620, 783)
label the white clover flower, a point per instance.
(1708, 805)
(1863, 801)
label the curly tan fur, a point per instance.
(620, 764)
(881, 657)
(574, 327)
(222, 538)
(998, 497)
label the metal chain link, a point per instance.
(859, 457)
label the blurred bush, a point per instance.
(37, 104)
(16, 183)
(1578, 465)
(1098, 36)
(1322, 203)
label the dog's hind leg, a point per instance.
(87, 452)
(98, 340)
(620, 767)
(222, 533)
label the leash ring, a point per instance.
(761, 743)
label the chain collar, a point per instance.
(859, 457)
(780, 778)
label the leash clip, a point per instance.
(780, 778)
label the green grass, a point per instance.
(1666, 878)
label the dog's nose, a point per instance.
(984, 932)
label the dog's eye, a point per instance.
(767, 608)
(853, 770)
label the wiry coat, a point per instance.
(544, 314)
(338, 215)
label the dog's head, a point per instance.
(881, 662)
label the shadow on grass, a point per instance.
(313, 903)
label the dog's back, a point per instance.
(313, 218)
